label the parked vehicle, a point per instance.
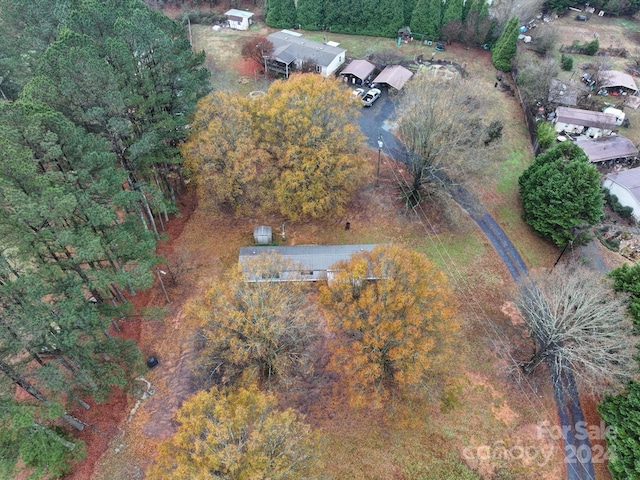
(370, 97)
(582, 18)
(358, 92)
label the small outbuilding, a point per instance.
(563, 92)
(394, 76)
(358, 72)
(618, 82)
(239, 19)
(626, 186)
(262, 235)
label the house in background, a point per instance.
(291, 50)
(302, 263)
(239, 19)
(626, 186)
(584, 122)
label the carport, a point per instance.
(394, 76)
(613, 79)
(358, 71)
(614, 147)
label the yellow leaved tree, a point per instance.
(306, 124)
(236, 434)
(293, 150)
(231, 173)
(393, 315)
(256, 328)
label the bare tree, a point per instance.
(535, 77)
(579, 324)
(503, 10)
(442, 123)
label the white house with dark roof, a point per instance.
(291, 50)
(239, 19)
(626, 186)
(302, 263)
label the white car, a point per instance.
(358, 92)
(370, 97)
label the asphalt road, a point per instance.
(379, 120)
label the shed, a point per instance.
(394, 76)
(358, 71)
(307, 263)
(239, 19)
(262, 235)
(613, 147)
(618, 80)
(404, 33)
(626, 186)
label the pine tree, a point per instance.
(420, 20)
(506, 47)
(280, 13)
(310, 14)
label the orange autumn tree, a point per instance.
(306, 124)
(258, 329)
(293, 150)
(393, 315)
(236, 434)
(230, 172)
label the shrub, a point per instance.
(546, 134)
(566, 63)
(593, 47)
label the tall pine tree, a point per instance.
(506, 47)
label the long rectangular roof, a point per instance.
(394, 75)
(608, 148)
(585, 118)
(314, 260)
(295, 46)
(614, 78)
(359, 68)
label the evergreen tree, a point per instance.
(506, 47)
(310, 14)
(280, 13)
(382, 17)
(420, 20)
(434, 12)
(452, 11)
(560, 192)
(622, 414)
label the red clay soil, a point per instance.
(105, 419)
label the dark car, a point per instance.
(582, 18)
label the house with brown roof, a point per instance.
(358, 72)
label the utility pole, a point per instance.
(380, 145)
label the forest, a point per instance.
(97, 96)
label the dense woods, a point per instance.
(429, 19)
(97, 95)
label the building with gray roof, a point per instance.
(291, 50)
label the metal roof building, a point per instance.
(394, 75)
(291, 47)
(626, 186)
(585, 118)
(302, 262)
(360, 69)
(608, 148)
(615, 79)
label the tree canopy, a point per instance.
(579, 324)
(236, 434)
(262, 329)
(393, 315)
(294, 149)
(506, 46)
(561, 193)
